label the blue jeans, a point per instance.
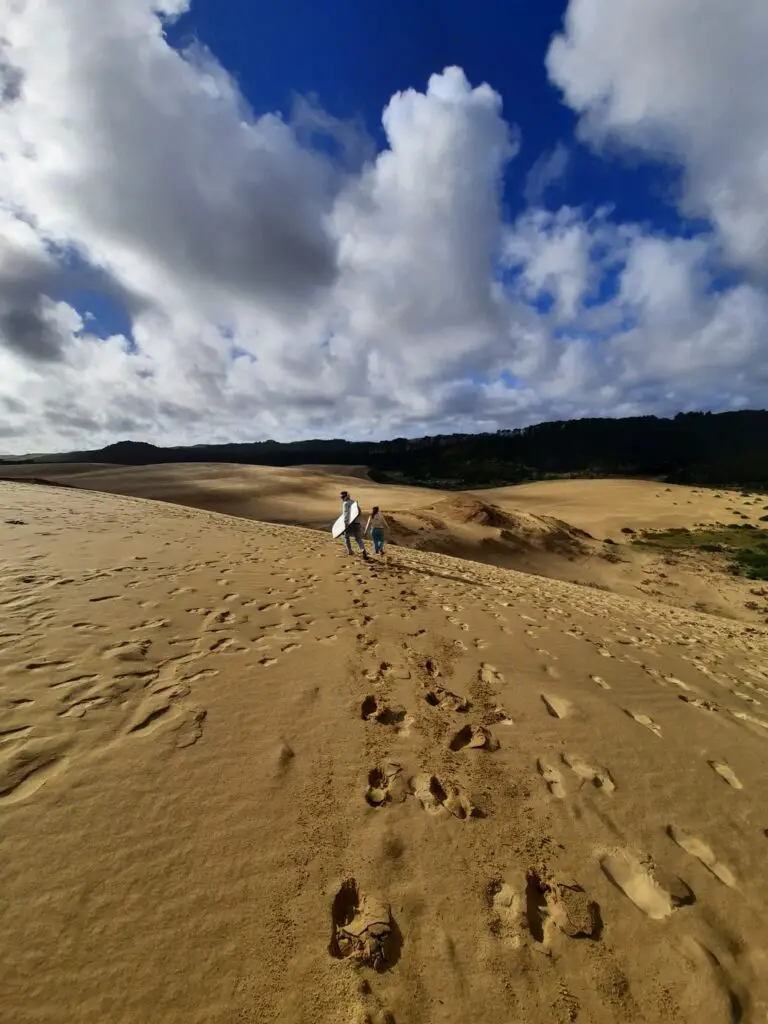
(378, 539)
(353, 530)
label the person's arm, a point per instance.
(346, 508)
(384, 522)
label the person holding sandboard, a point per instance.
(348, 524)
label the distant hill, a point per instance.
(716, 449)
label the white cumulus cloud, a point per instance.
(683, 80)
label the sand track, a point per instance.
(554, 529)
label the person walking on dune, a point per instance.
(376, 525)
(352, 529)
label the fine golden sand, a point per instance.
(244, 778)
(555, 528)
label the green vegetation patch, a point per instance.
(745, 545)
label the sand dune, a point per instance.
(605, 507)
(245, 778)
(536, 528)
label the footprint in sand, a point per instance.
(641, 719)
(746, 697)
(556, 706)
(553, 779)
(362, 928)
(599, 777)
(432, 669)
(506, 912)
(698, 702)
(384, 671)
(726, 773)
(457, 622)
(699, 849)
(742, 716)
(386, 784)
(370, 709)
(490, 675)
(151, 624)
(542, 908)
(639, 884)
(474, 737)
(128, 650)
(204, 673)
(284, 757)
(550, 905)
(679, 682)
(600, 682)
(498, 716)
(434, 796)
(218, 617)
(571, 909)
(439, 697)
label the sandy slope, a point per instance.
(236, 776)
(303, 495)
(523, 529)
(604, 507)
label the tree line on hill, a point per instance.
(710, 449)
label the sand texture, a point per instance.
(244, 778)
(555, 529)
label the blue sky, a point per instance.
(353, 56)
(181, 262)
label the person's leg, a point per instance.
(348, 542)
(355, 533)
(378, 540)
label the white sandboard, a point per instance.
(340, 526)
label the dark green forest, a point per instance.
(711, 449)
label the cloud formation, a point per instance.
(685, 81)
(272, 290)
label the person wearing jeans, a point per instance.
(352, 528)
(376, 524)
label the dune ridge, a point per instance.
(246, 778)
